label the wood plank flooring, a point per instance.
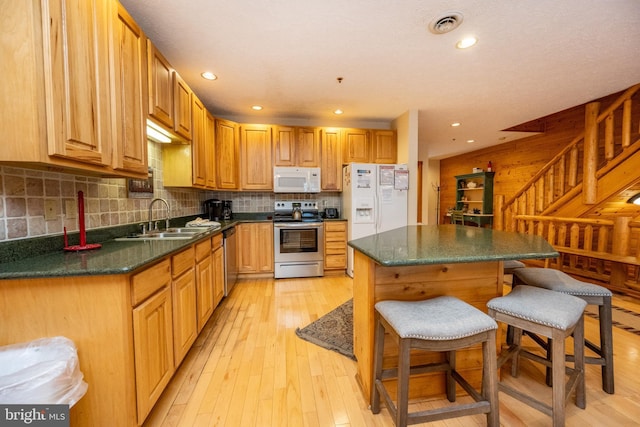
(248, 368)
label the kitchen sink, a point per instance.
(172, 233)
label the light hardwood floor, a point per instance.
(248, 368)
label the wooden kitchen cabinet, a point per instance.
(294, 146)
(308, 147)
(58, 106)
(185, 328)
(384, 147)
(130, 58)
(227, 160)
(335, 246)
(284, 146)
(210, 150)
(255, 247)
(160, 81)
(331, 160)
(217, 261)
(182, 107)
(356, 146)
(256, 167)
(204, 283)
(153, 335)
(199, 143)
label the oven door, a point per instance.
(298, 249)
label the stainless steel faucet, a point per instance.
(152, 225)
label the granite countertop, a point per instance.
(438, 244)
(114, 257)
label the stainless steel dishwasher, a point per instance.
(230, 260)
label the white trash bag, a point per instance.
(43, 371)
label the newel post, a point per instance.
(590, 164)
(620, 246)
(498, 214)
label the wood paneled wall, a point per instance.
(517, 161)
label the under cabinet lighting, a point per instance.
(157, 134)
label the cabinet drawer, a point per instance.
(335, 248)
(335, 226)
(203, 249)
(182, 262)
(335, 261)
(146, 283)
(216, 242)
(336, 237)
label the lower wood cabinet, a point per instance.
(255, 247)
(185, 328)
(217, 261)
(335, 245)
(204, 282)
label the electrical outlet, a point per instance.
(50, 209)
(70, 209)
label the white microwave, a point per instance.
(296, 180)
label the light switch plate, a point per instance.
(70, 209)
(50, 209)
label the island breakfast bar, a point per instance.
(424, 261)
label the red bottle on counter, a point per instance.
(489, 168)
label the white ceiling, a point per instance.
(533, 58)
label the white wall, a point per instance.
(406, 127)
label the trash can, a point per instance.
(43, 371)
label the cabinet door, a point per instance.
(385, 146)
(182, 107)
(227, 155)
(204, 291)
(256, 168)
(308, 147)
(198, 143)
(160, 80)
(255, 247)
(78, 100)
(130, 78)
(264, 247)
(284, 146)
(210, 150)
(356, 146)
(185, 327)
(331, 160)
(218, 275)
(153, 348)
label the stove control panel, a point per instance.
(289, 205)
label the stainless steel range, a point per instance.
(298, 235)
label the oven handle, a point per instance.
(298, 225)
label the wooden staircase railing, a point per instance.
(605, 143)
(598, 249)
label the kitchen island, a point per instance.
(425, 261)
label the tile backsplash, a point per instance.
(37, 203)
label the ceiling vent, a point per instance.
(446, 22)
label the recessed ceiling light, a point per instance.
(209, 75)
(257, 107)
(466, 42)
(338, 111)
(469, 141)
(455, 124)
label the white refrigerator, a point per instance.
(374, 199)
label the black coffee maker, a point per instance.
(227, 211)
(213, 209)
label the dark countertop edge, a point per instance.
(128, 269)
(458, 260)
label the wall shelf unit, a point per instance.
(474, 196)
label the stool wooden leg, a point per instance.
(517, 341)
(451, 383)
(404, 367)
(490, 379)
(558, 373)
(578, 351)
(606, 344)
(377, 365)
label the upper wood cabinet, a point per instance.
(256, 169)
(210, 150)
(293, 146)
(182, 106)
(227, 161)
(160, 80)
(130, 51)
(356, 146)
(384, 146)
(331, 160)
(199, 143)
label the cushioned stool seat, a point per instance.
(511, 265)
(442, 324)
(555, 316)
(559, 281)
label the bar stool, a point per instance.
(442, 324)
(553, 315)
(511, 265)
(559, 281)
